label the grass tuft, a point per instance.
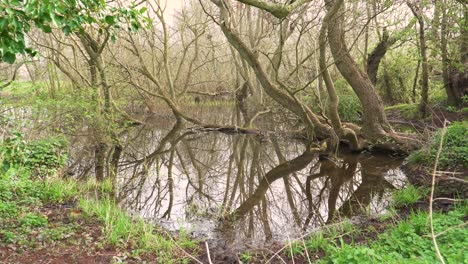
(408, 195)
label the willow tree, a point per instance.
(375, 125)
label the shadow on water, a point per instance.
(270, 190)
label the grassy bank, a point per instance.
(407, 241)
(41, 212)
(36, 214)
(400, 236)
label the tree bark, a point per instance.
(99, 161)
(423, 105)
(375, 122)
(376, 56)
(341, 132)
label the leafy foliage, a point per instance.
(350, 106)
(405, 242)
(33, 220)
(41, 158)
(17, 18)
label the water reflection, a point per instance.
(268, 190)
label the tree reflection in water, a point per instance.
(268, 189)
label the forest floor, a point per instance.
(406, 114)
(57, 221)
(68, 238)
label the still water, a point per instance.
(267, 189)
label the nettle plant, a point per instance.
(18, 17)
(39, 158)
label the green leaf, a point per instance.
(66, 30)
(110, 20)
(46, 29)
(9, 57)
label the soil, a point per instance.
(82, 246)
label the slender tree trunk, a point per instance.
(334, 101)
(423, 105)
(390, 98)
(415, 81)
(374, 59)
(116, 154)
(99, 161)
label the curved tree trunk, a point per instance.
(376, 56)
(346, 133)
(375, 122)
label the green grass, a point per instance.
(408, 241)
(20, 219)
(408, 196)
(321, 240)
(407, 110)
(121, 230)
(21, 197)
(21, 88)
(24, 193)
(59, 190)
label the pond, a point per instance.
(243, 190)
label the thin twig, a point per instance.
(439, 150)
(306, 251)
(448, 178)
(450, 228)
(208, 252)
(291, 249)
(448, 199)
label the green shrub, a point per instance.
(454, 152)
(350, 106)
(7, 236)
(42, 157)
(8, 209)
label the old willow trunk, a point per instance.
(375, 122)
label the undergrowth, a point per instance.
(408, 241)
(454, 151)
